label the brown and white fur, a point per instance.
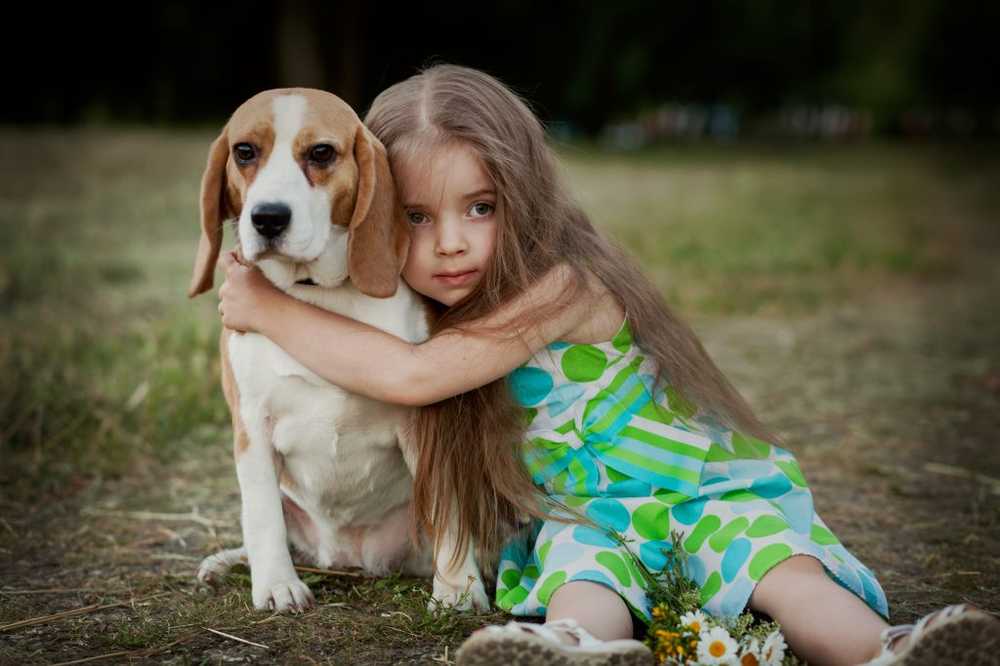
(318, 466)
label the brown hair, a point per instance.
(469, 460)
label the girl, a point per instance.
(548, 335)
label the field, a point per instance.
(849, 291)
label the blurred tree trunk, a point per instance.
(344, 34)
(320, 45)
(300, 63)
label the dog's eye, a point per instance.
(244, 152)
(322, 153)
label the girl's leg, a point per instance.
(593, 612)
(597, 608)
(822, 622)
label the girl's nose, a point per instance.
(450, 239)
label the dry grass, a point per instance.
(849, 291)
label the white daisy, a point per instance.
(750, 654)
(716, 647)
(774, 649)
(695, 620)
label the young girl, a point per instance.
(550, 336)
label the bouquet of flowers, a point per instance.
(681, 635)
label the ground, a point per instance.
(850, 292)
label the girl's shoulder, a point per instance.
(620, 339)
(605, 316)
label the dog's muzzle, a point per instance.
(271, 219)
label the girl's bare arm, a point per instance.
(365, 360)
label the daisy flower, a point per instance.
(774, 649)
(716, 647)
(695, 620)
(750, 655)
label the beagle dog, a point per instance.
(330, 471)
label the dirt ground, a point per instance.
(890, 401)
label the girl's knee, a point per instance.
(801, 563)
(583, 592)
(787, 580)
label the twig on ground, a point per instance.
(443, 658)
(192, 516)
(235, 638)
(270, 618)
(402, 631)
(174, 556)
(75, 611)
(332, 572)
(145, 652)
(398, 613)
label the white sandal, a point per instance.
(529, 644)
(959, 634)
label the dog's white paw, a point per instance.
(471, 595)
(215, 567)
(282, 594)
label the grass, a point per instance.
(825, 279)
(755, 229)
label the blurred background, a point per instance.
(812, 184)
(721, 68)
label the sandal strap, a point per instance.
(572, 627)
(939, 616)
(891, 634)
(888, 636)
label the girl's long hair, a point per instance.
(470, 474)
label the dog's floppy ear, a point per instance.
(214, 211)
(379, 241)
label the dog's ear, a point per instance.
(214, 211)
(379, 239)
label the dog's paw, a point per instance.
(285, 594)
(463, 597)
(214, 567)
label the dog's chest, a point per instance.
(306, 415)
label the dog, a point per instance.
(330, 471)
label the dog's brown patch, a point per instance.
(241, 441)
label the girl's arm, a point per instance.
(365, 360)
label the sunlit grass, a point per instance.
(105, 359)
(746, 229)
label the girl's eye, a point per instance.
(417, 218)
(481, 209)
(244, 153)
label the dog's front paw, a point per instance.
(282, 594)
(469, 595)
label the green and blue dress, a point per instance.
(638, 460)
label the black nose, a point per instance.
(270, 219)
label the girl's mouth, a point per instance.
(456, 279)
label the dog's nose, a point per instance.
(270, 219)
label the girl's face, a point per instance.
(451, 206)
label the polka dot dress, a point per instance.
(635, 458)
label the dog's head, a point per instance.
(312, 191)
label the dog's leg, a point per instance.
(276, 586)
(461, 586)
(218, 565)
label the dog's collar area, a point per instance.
(307, 282)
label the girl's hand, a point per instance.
(244, 294)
